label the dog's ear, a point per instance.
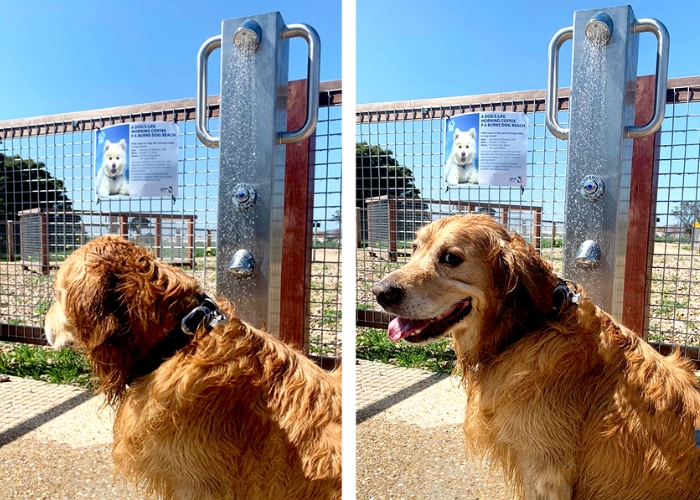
(107, 144)
(527, 273)
(472, 133)
(457, 132)
(123, 301)
(99, 320)
(122, 144)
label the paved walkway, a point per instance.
(409, 438)
(55, 441)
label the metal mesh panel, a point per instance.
(325, 295)
(60, 157)
(30, 235)
(48, 167)
(413, 137)
(674, 312)
(400, 187)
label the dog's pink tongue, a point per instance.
(400, 327)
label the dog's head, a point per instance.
(470, 278)
(464, 146)
(114, 158)
(115, 301)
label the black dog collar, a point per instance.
(563, 296)
(207, 313)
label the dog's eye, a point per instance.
(451, 259)
(414, 247)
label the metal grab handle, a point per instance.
(200, 99)
(313, 85)
(662, 47)
(550, 103)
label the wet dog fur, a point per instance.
(572, 405)
(235, 414)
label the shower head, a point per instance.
(599, 29)
(247, 37)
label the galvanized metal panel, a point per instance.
(603, 86)
(253, 112)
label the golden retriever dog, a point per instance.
(228, 412)
(571, 403)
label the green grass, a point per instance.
(548, 243)
(37, 362)
(331, 316)
(374, 345)
(42, 307)
(669, 307)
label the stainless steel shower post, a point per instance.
(601, 129)
(253, 118)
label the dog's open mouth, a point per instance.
(422, 330)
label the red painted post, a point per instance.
(642, 216)
(297, 226)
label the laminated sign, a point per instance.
(486, 148)
(136, 159)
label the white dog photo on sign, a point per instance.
(459, 165)
(111, 178)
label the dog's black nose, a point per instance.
(387, 293)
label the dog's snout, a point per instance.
(387, 293)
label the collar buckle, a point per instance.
(207, 312)
(563, 296)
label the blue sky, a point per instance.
(75, 55)
(78, 55)
(413, 49)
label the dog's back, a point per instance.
(235, 415)
(589, 407)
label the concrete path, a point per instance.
(55, 443)
(409, 438)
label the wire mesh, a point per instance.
(49, 208)
(674, 310)
(325, 295)
(403, 145)
(401, 187)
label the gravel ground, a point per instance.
(55, 443)
(409, 438)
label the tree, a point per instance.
(138, 224)
(486, 211)
(379, 174)
(26, 184)
(688, 213)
